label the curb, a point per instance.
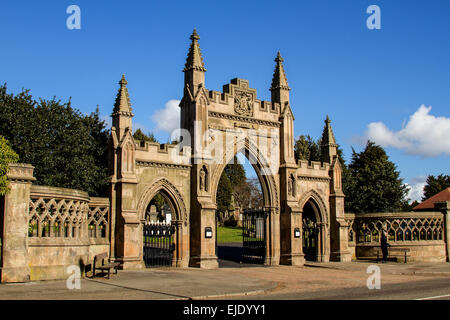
(234, 294)
(422, 273)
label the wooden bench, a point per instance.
(405, 251)
(108, 266)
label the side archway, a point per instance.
(319, 202)
(315, 227)
(180, 217)
(171, 194)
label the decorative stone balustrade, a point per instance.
(422, 232)
(46, 229)
(66, 213)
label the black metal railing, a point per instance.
(158, 244)
(254, 235)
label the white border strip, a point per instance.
(435, 297)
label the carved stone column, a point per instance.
(339, 229)
(177, 256)
(203, 249)
(272, 237)
(14, 224)
(291, 248)
(128, 227)
(291, 244)
(444, 207)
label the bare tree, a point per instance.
(256, 195)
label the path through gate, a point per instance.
(254, 235)
(310, 239)
(158, 244)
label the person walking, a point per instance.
(384, 246)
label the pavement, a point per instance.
(239, 281)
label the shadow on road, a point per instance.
(230, 256)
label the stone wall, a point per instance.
(71, 229)
(47, 229)
(423, 233)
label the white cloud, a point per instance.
(424, 134)
(416, 188)
(137, 125)
(168, 118)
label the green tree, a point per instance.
(409, 206)
(158, 201)
(375, 184)
(235, 172)
(240, 190)
(301, 148)
(306, 148)
(139, 135)
(7, 156)
(67, 148)
(224, 193)
(347, 178)
(435, 185)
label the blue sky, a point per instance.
(370, 82)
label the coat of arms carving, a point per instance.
(243, 103)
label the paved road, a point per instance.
(432, 289)
(230, 256)
(336, 281)
(329, 281)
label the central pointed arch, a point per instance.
(260, 165)
(259, 225)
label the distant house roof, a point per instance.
(428, 204)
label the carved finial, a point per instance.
(194, 35)
(328, 136)
(279, 58)
(194, 59)
(122, 104)
(279, 80)
(123, 82)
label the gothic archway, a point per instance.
(314, 224)
(269, 191)
(311, 231)
(260, 165)
(173, 226)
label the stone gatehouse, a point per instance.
(44, 229)
(214, 127)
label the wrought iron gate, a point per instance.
(254, 235)
(310, 239)
(158, 244)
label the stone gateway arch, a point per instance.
(214, 127)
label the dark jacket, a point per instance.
(384, 243)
